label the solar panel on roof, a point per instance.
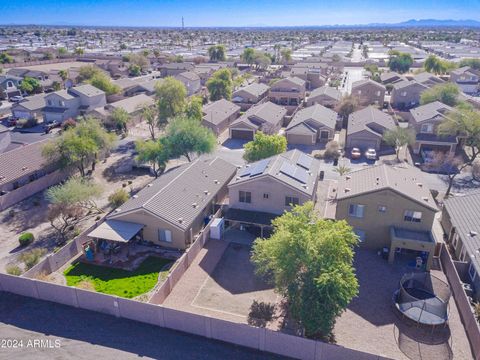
(294, 172)
(305, 161)
(259, 167)
(245, 172)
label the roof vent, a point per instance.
(150, 185)
(118, 210)
(424, 198)
(473, 233)
(216, 181)
(24, 168)
(346, 190)
(348, 177)
(205, 192)
(135, 196)
(180, 220)
(194, 205)
(419, 184)
(238, 178)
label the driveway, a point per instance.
(352, 74)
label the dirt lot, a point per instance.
(31, 214)
(371, 323)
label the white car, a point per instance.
(371, 154)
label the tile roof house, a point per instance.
(172, 69)
(406, 94)
(29, 108)
(9, 86)
(461, 224)
(250, 95)
(467, 79)
(218, 115)
(191, 81)
(388, 207)
(369, 92)
(366, 127)
(313, 77)
(65, 104)
(326, 96)
(173, 208)
(425, 121)
(427, 79)
(265, 189)
(311, 125)
(391, 77)
(289, 92)
(266, 117)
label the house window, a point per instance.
(360, 234)
(245, 197)
(382, 208)
(9, 84)
(412, 216)
(378, 93)
(427, 128)
(291, 201)
(165, 235)
(356, 210)
(404, 93)
(49, 102)
(359, 92)
(61, 103)
(265, 195)
(472, 272)
(324, 134)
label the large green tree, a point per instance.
(435, 65)
(149, 114)
(248, 56)
(194, 108)
(185, 137)
(217, 53)
(154, 152)
(473, 63)
(398, 138)
(171, 96)
(220, 85)
(264, 146)
(30, 85)
(120, 118)
(309, 261)
(400, 62)
(446, 93)
(103, 82)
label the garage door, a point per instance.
(363, 143)
(242, 134)
(300, 139)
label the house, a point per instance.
(205, 70)
(406, 94)
(391, 77)
(326, 96)
(65, 104)
(24, 172)
(218, 115)
(262, 190)
(173, 69)
(427, 79)
(250, 95)
(132, 105)
(467, 79)
(266, 117)
(312, 76)
(174, 208)
(9, 86)
(425, 120)
(146, 87)
(190, 80)
(29, 108)
(461, 224)
(369, 92)
(366, 127)
(288, 92)
(311, 125)
(388, 207)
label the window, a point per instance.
(361, 235)
(427, 128)
(378, 93)
(359, 92)
(49, 102)
(61, 103)
(404, 93)
(291, 201)
(9, 84)
(265, 195)
(472, 272)
(245, 197)
(412, 216)
(382, 208)
(324, 134)
(356, 210)
(164, 235)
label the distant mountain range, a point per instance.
(431, 23)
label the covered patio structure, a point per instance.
(258, 219)
(421, 242)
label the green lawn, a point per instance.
(127, 284)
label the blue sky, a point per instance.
(231, 12)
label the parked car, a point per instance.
(12, 121)
(371, 154)
(16, 99)
(51, 125)
(355, 153)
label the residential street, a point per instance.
(88, 335)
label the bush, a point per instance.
(31, 258)
(477, 311)
(332, 150)
(25, 239)
(118, 197)
(13, 270)
(260, 313)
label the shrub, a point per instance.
(25, 239)
(118, 197)
(31, 258)
(332, 150)
(477, 311)
(13, 269)
(260, 313)
(69, 123)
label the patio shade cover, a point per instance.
(116, 230)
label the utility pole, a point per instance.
(183, 24)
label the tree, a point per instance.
(398, 138)
(473, 63)
(309, 261)
(76, 191)
(118, 197)
(217, 53)
(30, 85)
(171, 95)
(103, 82)
(79, 51)
(5, 58)
(63, 218)
(347, 105)
(437, 66)
(342, 170)
(120, 117)
(63, 74)
(264, 146)
(286, 55)
(87, 72)
(400, 62)
(156, 153)
(220, 85)
(139, 60)
(79, 146)
(149, 114)
(194, 108)
(262, 61)
(62, 52)
(248, 56)
(446, 93)
(186, 136)
(134, 70)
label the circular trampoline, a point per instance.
(423, 298)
